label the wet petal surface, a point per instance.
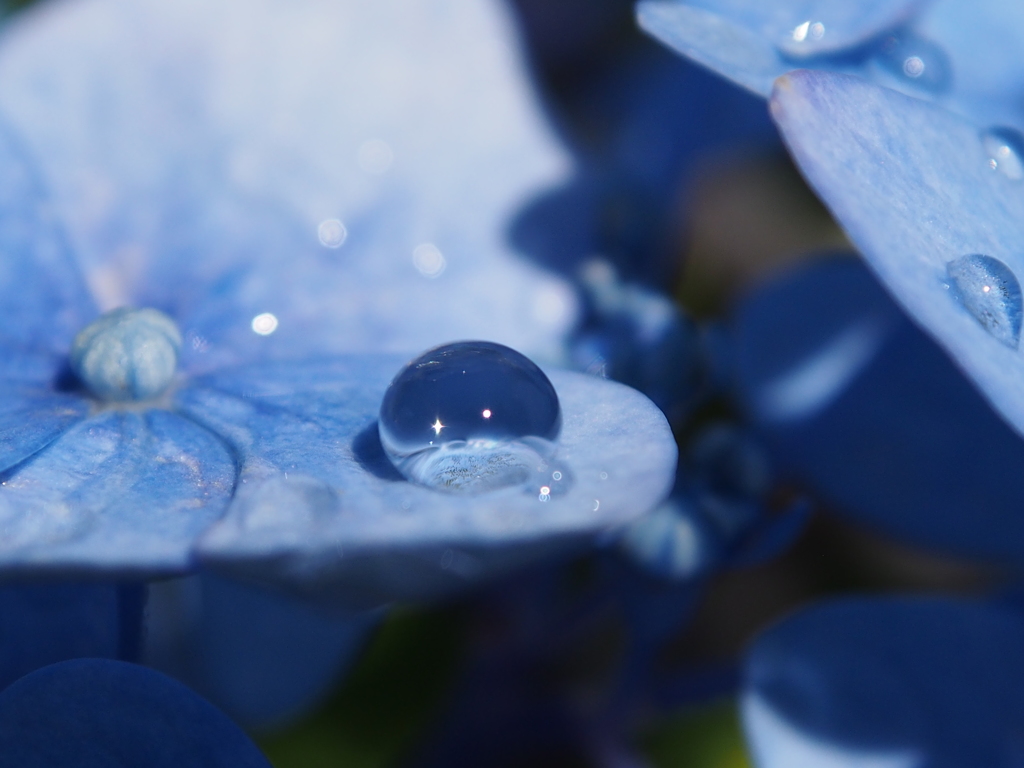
(320, 505)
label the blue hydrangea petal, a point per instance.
(912, 186)
(894, 682)
(95, 712)
(42, 624)
(201, 165)
(264, 659)
(122, 492)
(32, 418)
(752, 43)
(43, 298)
(858, 402)
(319, 505)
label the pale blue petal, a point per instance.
(319, 505)
(196, 147)
(912, 186)
(888, 683)
(122, 493)
(972, 49)
(752, 42)
(263, 658)
(95, 713)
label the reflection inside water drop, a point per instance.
(1005, 150)
(989, 290)
(474, 416)
(915, 61)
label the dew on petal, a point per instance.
(127, 354)
(264, 324)
(332, 233)
(428, 260)
(989, 290)
(474, 416)
(916, 62)
(1005, 150)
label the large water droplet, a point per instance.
(916, 62)
(1005, 149)
(989, 291)
(474, 416)
(127, 354)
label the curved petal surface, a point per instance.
(319, 504)
(861, 404)
(888, 683)
(913, 187)
(348, 168)
(966, 57)
(96, 713)
(121, 493)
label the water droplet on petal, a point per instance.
(474, 416)
(127, 354)
(1005, 150)
(331, 233)
(916, 62)
(989, 290)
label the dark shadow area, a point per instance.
(370, 454)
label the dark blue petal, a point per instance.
(264, 659)
(888, 683)
(94, 713)
(320, 506)
(200, 167)
(858, 402)
(122, 492)
(913, 187)
(42, 624)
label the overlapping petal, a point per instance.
(859, 402)
(966, 57)
(888, 682)
(913, 186)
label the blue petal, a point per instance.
(319, 505)
(891, 683)
(973, 60)
(43, 624)
(262, 658)
(95, 713)
(913, 188)
(196, 162)
(122, 492)
(858, 402)
(752, 43)
(33, 417)
(43, 299)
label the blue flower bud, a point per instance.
(127, 354)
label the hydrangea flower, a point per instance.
(281, 201)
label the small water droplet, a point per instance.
(1005, 150)
(434, 429)
(808, 31)
(989, 290)
(264, 324)
(127, 354)
(331, 233)
(428, 260)
(915, 61)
